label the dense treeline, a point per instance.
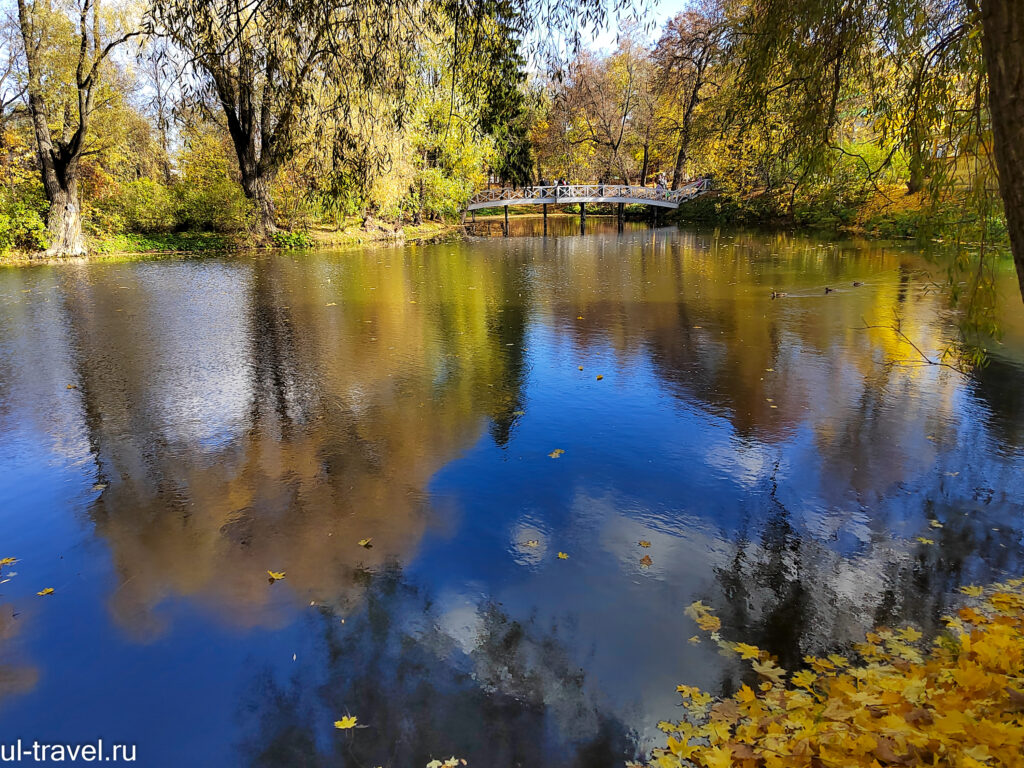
(276, 117)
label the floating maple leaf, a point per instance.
(643, 543)
(45, 592)
(347, 722)
(275, 575)
(562, 556)
(646, 560)
(366, 543)
(556, 453)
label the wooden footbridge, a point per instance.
(581, 194)
(566, 194)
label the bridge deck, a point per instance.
(586, 193)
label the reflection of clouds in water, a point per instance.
(741, 461)
(202, 387)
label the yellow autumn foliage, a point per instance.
(958, 702)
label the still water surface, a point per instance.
(172, 430)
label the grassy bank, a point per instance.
(129, 245)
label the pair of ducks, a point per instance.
(780, 294)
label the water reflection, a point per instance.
(172, 430)
(507, 692)
(277, 426)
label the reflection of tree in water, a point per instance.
(494, 691)
(288, 423)
(789, 593)
(15, 678)
(766, 592)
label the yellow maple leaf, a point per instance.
(935, 524)
(694, 640)
(747, 651)
(717, 757)
(275, 575)
(973, 591)
(562, 556)
(347, 722)
(745, 695)
(556, 453)
(8, 561)
(769, 669)
(643, 543)
(709, 623)
(646, 560)
(805, 678)
(923, 540)
(366, 543)
(532, 543)
(44, 592)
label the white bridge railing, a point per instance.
(586, 193)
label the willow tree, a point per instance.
(336, 71)
(938, 82)
(57, 35)
(266, 64)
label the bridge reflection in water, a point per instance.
(581, 194)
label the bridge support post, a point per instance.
(620, 212)
(506, 221)
(583, 218)
(545, 219)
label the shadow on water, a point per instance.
(171, 431)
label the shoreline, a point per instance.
(215, 244)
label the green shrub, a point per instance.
(21, 219)
(284, 239)
(143, 206)
(216, 206)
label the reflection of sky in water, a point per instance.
(248, 414)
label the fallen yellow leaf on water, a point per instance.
(8, 561)
(599, 377)
(532, 543)
(579, 317)
(518, 413)
(644, 543)
(275, 575)
(562, 556)
(348, 721)
(935, 524)
(45, 592)
(580, 367)
(747, 651)
(332, 304)
(972, 591)
(923, 540)
(366, 542)
(646, 560)
(769, 670)
(694, 640)
(556, 453)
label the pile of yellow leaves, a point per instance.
(958, 703)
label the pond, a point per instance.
(170, 431)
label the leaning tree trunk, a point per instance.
(1003, 46)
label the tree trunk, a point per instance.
(643, 169)
(257, 189)
(1003, 46)
(64, 222)
(677, 172)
